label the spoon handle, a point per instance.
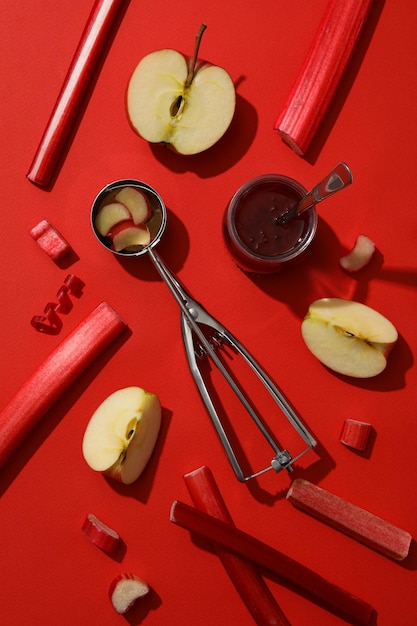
(337, 179)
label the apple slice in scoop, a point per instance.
(109, 215)
(122, 433)
(136, 202)
(348, 337)
(127, 236)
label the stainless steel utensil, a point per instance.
(203, 336)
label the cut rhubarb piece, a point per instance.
(49, 323)
(321, 72)
(359, 256)
(100, 534)
(355, 434)
(74, 285)
(50, 240)
(64, 301)
(74, 89)
(287, 569)
(244, 575)
(59, 370)
(136, 202)
(350, 519)
(109, 215)
(125, 589)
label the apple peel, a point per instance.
(100, 534)
(350, 519)
(57, 372)
(359, 256)
(355, 434)
(125, 590)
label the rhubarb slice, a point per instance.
(244, 575)
(100, 534)
(321, 72)
(355, 434)
(59, 370)
(76, 84)
(50, 240)
(124, 590)
(287, 569)
(350, 519)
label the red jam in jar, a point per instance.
(257, 240)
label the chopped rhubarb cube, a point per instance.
(355, 434)
(350, 519)
(50, 240)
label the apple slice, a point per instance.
(359, 256)
(348, 337)
(127, 236)
(125, 589)
(100, 534)
(109, 215)
(136, 202)
(171, 101)
(122, 433)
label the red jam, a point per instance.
(255, 237)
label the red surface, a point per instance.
(50, 573)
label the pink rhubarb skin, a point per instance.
(321, 72)
(350, 519)
(59, 370)
(244, 575)
(50, 240)
(100, 534)
(73, 91)
(355, 434)
(287, 569)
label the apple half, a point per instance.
(122, 433)
(173, 101)
(348, 337)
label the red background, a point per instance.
(49, 572)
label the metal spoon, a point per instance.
(337, 179)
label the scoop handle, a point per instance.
(337, 179)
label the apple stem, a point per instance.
(191, 69)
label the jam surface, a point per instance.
(257, 220)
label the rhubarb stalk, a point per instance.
(73, 91)
(286, 568)
(321, 72)
(59, 370)
(244, 575)
(350, 519)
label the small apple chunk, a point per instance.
(359, 256)
(136, 202)
(109, 215)
(174, 101)
(124, 590)
(122, 433)
(348, 337)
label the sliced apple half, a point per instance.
(109, 215)
(127, 236)
(122, 433)
(136, 202)
(348, 337)
(174, 101)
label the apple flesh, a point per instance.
(359, 256)
(125, 590)
(136, 203)
(127, 236)
(179, 104)
(348, 337)
(110, 215)
(122, 433)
